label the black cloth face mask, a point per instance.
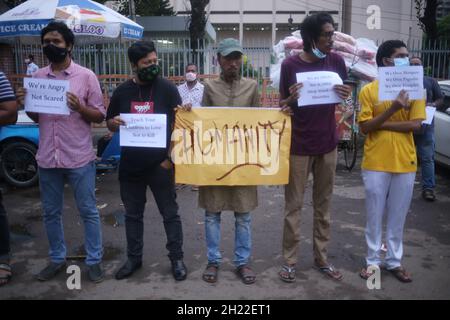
(55, 54)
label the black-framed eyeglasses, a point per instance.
(328, 35)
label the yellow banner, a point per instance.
(231, 146)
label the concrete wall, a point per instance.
(265, 8)
(398, 18)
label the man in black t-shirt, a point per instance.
(140, 167)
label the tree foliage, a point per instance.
(197, 21)
(426, 13)
(444, 27)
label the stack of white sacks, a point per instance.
(358, 54)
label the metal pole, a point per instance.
(347, 16)
(132, 10)
(274, 22)
(241, 22)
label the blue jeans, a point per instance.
(242, 238)
(425, 144)
(82, 181)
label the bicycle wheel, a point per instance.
(351, 152)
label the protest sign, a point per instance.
(318, 88)
(430, 110)
(46, 96)
(143, 130)
(394, 79)
(231, 146)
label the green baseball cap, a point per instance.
(228, 46)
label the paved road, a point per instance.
(427, 248)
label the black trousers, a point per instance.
(4, 233)
(133, 193)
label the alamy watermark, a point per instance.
(374, 280)
(373, 22)
(74, 280)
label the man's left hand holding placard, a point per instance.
(47, 96)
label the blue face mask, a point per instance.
(401, 62)
(319, 54)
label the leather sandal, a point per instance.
(365, 274)
(211, 273)
(6, 273)
(401, 274)
(246, 274)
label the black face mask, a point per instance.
(150, 73)
(55, 54)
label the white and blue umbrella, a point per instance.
(85, 18)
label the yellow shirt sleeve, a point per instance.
(366, 104)
(417, 110)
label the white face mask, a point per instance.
(27, 61)
(191, 76)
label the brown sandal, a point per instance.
(210, 274)
(365, 274)
(246, 274)
(401, 274)
(6, 273)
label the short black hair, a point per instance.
(190, 64)
(311, 28)
(387, 49)
(61, 28)
(139, 50)
(31, 57)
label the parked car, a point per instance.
(18, 147)
(442, 127)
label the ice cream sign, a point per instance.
(84, 17)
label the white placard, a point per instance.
(46, 96)
(394, 79)
(430, 114)
(143, 130)
(318, 88)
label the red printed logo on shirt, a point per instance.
(142, 107)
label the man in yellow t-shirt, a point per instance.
(389, 163)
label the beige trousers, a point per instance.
(323, 168)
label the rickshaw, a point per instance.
(347, 123)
